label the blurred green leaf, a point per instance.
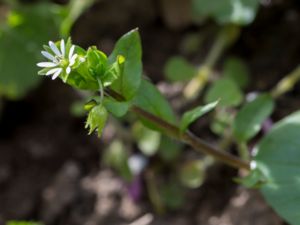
(116, 157)
(192, 174)
(278, 157)
(255, 179)
(240, 12)
(148, 140)
(169, 149)
(15, 222)
(20, 43)
(226, 91)
(128, 46)
(236, 69)
(172, 195)
(194, 114)
(178, 69)
(152, 101)
(249, 119)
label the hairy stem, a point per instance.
(187, 137)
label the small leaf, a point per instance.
(192, 115)
(240, 12)
(192, 174)
(249, 119)
(226, 91)
(278, 157)
(96, 119)
(172, 195)
(148, 140)
(236, 70)
(129, 47)
(178, 69)
(255, 179)
(151, 100)
(118, 109)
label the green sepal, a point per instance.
(96, 119)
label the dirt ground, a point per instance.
(51, 171)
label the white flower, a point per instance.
(58, 61)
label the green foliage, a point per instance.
(172, 195)
(240, 12)
(194, 114)
(236, 70)
(226, 91)
(249, 119)
(96, 119)
(169, 149)
(28, 27)
(178, 69)
(116, 157)
(151, 100)
(278, 158)
(192, 174)
(15, 222)
(148, 140)
(118, 109)
(128, 46)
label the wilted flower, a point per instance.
(59, 62)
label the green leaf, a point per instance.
(249, 119)
(178, 69)
(118, 109)
(128, 46)
(116, 157)
(172, 195)
(20, 42)
(236, 70)
(226, 91)
(192, 174)
(169, 149)
(148, 140)
(15, 222)
(96, 119)
(255, 179)
(240, 12)
(152, 101)
(278, 157)
(192, 115)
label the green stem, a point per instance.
(226, 37)
(187, 137)
(286, 84)
(243, 151)
(101, 90)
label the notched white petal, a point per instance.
(62, 47)
(52, 71)
(54, 48)
(73, 59)
(71, 51)
(56, 74)
(46, 64)
(48, 55)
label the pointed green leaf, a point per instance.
(249, 119)
(194, 114)
(152, 101)
(128, 46)
(192, 174)
(278, 157)
(118, 109)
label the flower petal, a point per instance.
(52, 71)
(62, 47)
(68, 70)
(71, 52)
(56, 74)
(73, 60)
(46, 64)
(54, 48)
(48, 55)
